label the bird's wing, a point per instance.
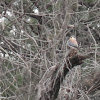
(72, 43)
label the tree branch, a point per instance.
(49, 85)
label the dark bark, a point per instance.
(49, 85)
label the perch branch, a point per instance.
(49, 85)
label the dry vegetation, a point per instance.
(31, 43)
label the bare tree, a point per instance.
(33, 38)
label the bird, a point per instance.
(72, 43)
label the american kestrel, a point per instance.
(72, 43)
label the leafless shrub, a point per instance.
(31, 42)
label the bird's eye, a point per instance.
(71, 37)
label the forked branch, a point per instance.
(49, 85)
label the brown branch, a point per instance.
(49, 85)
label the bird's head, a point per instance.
(72, 37)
